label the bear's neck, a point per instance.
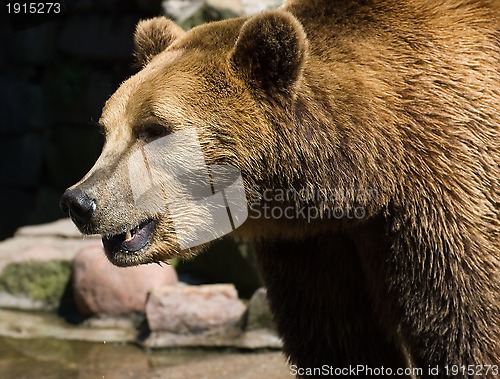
(333, 133)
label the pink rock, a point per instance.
(100, 287)
(183, 309)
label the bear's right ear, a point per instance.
(270, 51)
(153, 36)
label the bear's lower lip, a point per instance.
(132, 241)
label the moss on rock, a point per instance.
(39, 280)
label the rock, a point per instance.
(259, 314)
(233, 6)
(21, 249)
(100, 287)
(45, 326)
(34, 284)
(205, 316)
(185, 309)
(229, 336)
(181, 9)
(189, 14)
(61, 228)
(255, 6)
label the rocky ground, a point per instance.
(57, 285)
(52, 268)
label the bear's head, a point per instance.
(218, 94)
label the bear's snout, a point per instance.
(79, 206)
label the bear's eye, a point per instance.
(151, 132)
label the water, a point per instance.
(56, 359)
(63, 359)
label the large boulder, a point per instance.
(34, 284)
(193, 309)
(99, 287)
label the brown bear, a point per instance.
(377, 123)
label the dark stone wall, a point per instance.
(55, 76)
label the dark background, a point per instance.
(55, 76)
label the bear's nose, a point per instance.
(76, 204)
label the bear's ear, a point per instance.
(153, 36)
(270, 51)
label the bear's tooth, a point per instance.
(128, 235)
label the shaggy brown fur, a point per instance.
(394, 98)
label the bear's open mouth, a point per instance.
(131, 241)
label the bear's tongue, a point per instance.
(131, 241)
